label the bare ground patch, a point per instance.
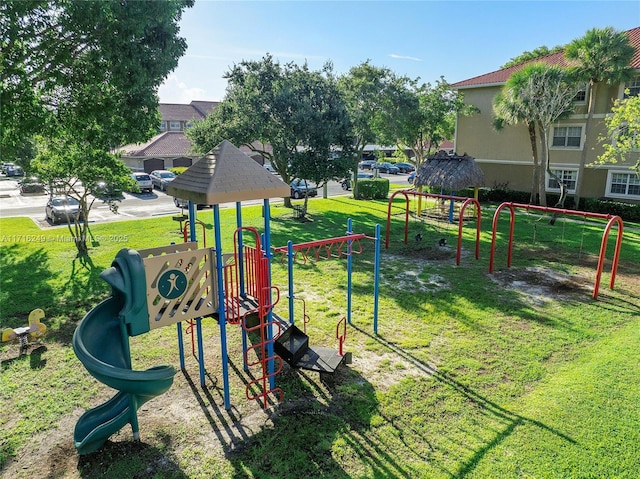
(538, 285)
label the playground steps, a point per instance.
(293, 346)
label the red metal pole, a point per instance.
(462, 208)
(406, 217)
(603, 253)
(494, 230)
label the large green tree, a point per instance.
(600, 56)
(532, 55)
(371, 95)
(291, 115)
(424, 117)
(538, 95)
(84, 75)
(623, 133)
(508, 111)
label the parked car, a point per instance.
(270, 169)
(405, 167)
(62, 209)
(144, 181)
(386, 168)
(411, 177)
(300, 187)
(7, 164)
(346, 183)
(14, 170)
(106, 191)
(366, 164)
(31, 185)
(181, 203)
(161, 179)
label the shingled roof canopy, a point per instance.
(224, 175)
(449, 172)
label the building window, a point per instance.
(188, 125)
(581, 95)
(633, 86)
(567, 136)
(568, 177)
(163, 126)
(623, 184)
(174, 125)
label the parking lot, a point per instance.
(132, 205)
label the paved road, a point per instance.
(143, 205)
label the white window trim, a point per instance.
(621, 88)
(566, 125)
(586, 95)
(547, 177)
(608, 193)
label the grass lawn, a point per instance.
(519, 373)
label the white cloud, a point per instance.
(405, 57)
(173, 90)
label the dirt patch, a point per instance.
(404, 274)
(539, 285)
(385, 370)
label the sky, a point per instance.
(420, 39)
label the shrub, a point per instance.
(373, 189)
(626, 211)
(178, 170)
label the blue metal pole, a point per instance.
(192, 237)
(192, 221)
(200, 350)
(376, 280)
(180, 345)
(349, 269)
(221, 316)
(290, 268)
(240, 258)
(451, 208)
(268, 254)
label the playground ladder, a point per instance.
(248, 292)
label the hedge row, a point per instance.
(373, 189)
(626, 211)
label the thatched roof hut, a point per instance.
(449, 172)
(226, 174)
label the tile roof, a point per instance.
(196, 110)
(226, 175)
(168, 143)
(204, 107)
(499, 77)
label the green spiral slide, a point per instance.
(101, 343)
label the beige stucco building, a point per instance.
(505, 156)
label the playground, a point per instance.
(467, 368)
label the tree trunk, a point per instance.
(544, 151)
(587, 132)
(533, 199)
(563, 195)
(355, 171)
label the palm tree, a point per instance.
(536, 95)
(508, 111)
(601, 55)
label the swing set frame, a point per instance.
(465, 202)
(611, 221)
